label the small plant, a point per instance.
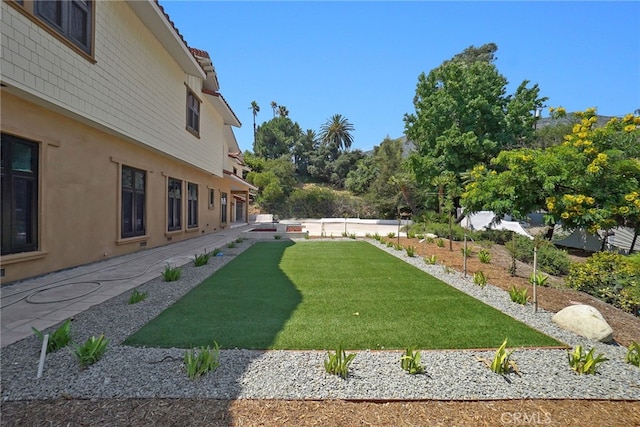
(377, 237)
(202, 259)
(344, 234)
(59, 338)
(391, 235)
(200, 361)
(338, 363)
(633, 354)
(440, 243)
(480, 279)
(91, 351)
(352, 236)
(585, 363)
(484, 256)
(431, 260)
(519, 296)
(539, 279)
(278, 237)
(231, 245)
(410, 362)
(240, 239)
(430, 240)
(397, 247)
(447, 269)
(216, 252)
(137, 296)
(466, 252)
(389, 244)
(368, 236)
(171, 274)
(502, 363)
(411, 251)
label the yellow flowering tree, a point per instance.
(591, 180)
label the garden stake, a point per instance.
(43, 354)
(535, 279)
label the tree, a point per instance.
(275, 183)
(283, 111)
(337, 132)
(274, 107)
(302, 151)
(276, 138)
(591, 180)
(463, 116)
(255, 109)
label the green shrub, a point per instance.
(610, 277)
(216, 251)
(391, 235)
(171, 274)
(410, 362)
(411, 251)
(440, 243)
(397, 246)
(338, 363)
(550, 259)
(539, 279)
(91, 351)
(500, 237)
(59, 338)
(231, 245)
(633, 354)
(137, 296)
(585, 363)
(202, 259)
(466, 252)
(484, 256)
(480, 279)
(200, 361)
(501, 362)
(431, 260)
(278, 237)
(519, 296)
(352, 236)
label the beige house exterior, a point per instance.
(115, 137)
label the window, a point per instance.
(192, 205)
(19, 206)
(71, 19)
(223, 207)
(212, 195)
(133, 202)
(193, 113)
(174, 205)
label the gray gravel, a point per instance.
(151, 372)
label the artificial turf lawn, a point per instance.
(318, 295)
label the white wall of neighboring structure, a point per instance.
(135, 89)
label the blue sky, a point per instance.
(362, 59)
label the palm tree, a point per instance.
(282, 111)
(255, 109)
(274, 106)
(336, 132)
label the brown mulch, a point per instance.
(208, 412)
(211, 412)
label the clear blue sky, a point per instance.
(362, 59)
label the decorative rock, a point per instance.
(585, 321)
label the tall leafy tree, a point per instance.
(276, 137)
(302, 151)
(274, 107)
(464, 117)
(255, 109)
(337, 132)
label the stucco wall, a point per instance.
(79, 190)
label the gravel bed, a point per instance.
(126, 372)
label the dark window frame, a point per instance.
(174, 204)
(193, 113)
(192, 205)
(62, 25)
(13, 217)
(223, 207)
(133, 215)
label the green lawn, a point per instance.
(318, 295)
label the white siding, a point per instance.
(135, 88)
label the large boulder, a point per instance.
(585, 321)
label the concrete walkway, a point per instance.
(46, 300)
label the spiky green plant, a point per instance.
(410, 361)
(338, 363)
(431, 260)
(411, 251)
(519, 296)
(171, 274)
(137, 296)
(198, 362)
(501, 362)
(202, 259)
(484, 256)
(391, 235)
(59, 338)
(480, 279)
(91, 351)
(440, 243)
(633, 354)
(539, 279)
(585, 363)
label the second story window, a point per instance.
(193, 113)
(72, 19)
